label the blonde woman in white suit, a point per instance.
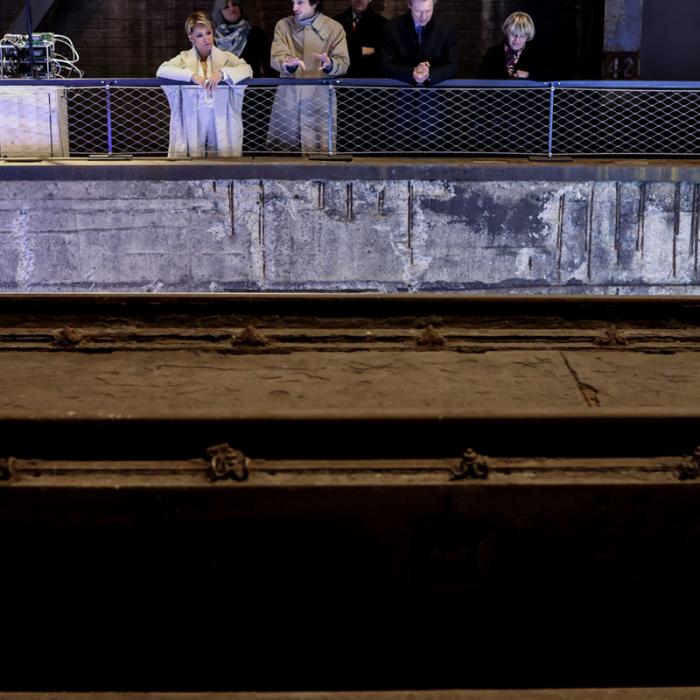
(205, 119)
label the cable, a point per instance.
(60, 38)
(21, 57)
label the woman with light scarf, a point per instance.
(235, 33)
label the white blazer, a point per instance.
(200, 124)
(187, 63)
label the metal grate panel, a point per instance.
(626, 122)
(383, 117)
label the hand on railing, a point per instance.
(209, 84)
(216, 77)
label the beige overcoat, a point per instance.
(304, 116)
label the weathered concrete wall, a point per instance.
(383, 234)
(623, 25)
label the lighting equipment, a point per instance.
(22, 56)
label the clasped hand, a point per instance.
(209, 84)
(421, 72)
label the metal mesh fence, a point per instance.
(590, 121)
(87, 120)
(385, 117)
(118, 120)
(370, 120)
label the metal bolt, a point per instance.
(689, 468)
(472, 466)
(228, 463)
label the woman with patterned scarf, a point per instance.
(512, 58)
(234, 33)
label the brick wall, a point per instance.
(8, 12)
(130, 38)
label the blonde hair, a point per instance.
(198, 18)
(519, 23)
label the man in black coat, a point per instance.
(420, 50)
(364, 29)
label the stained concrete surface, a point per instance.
(595, 228)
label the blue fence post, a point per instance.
(331, 95)
(550, 134)
(109, 120)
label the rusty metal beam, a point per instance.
(541, 371)
(239, 492)
(543, 694)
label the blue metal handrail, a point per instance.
(573, 117)
(372, 82)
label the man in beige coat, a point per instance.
(205, 120)
(307, 45)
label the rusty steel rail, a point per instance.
(558, 694)
(581, 345)
(328, 495)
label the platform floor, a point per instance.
(487, 168)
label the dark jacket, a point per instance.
(257, 53)
(369, 32)
(493, 65)
(401, 54)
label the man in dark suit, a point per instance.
(420, 50)
(364, 29)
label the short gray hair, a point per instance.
(519, 23)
